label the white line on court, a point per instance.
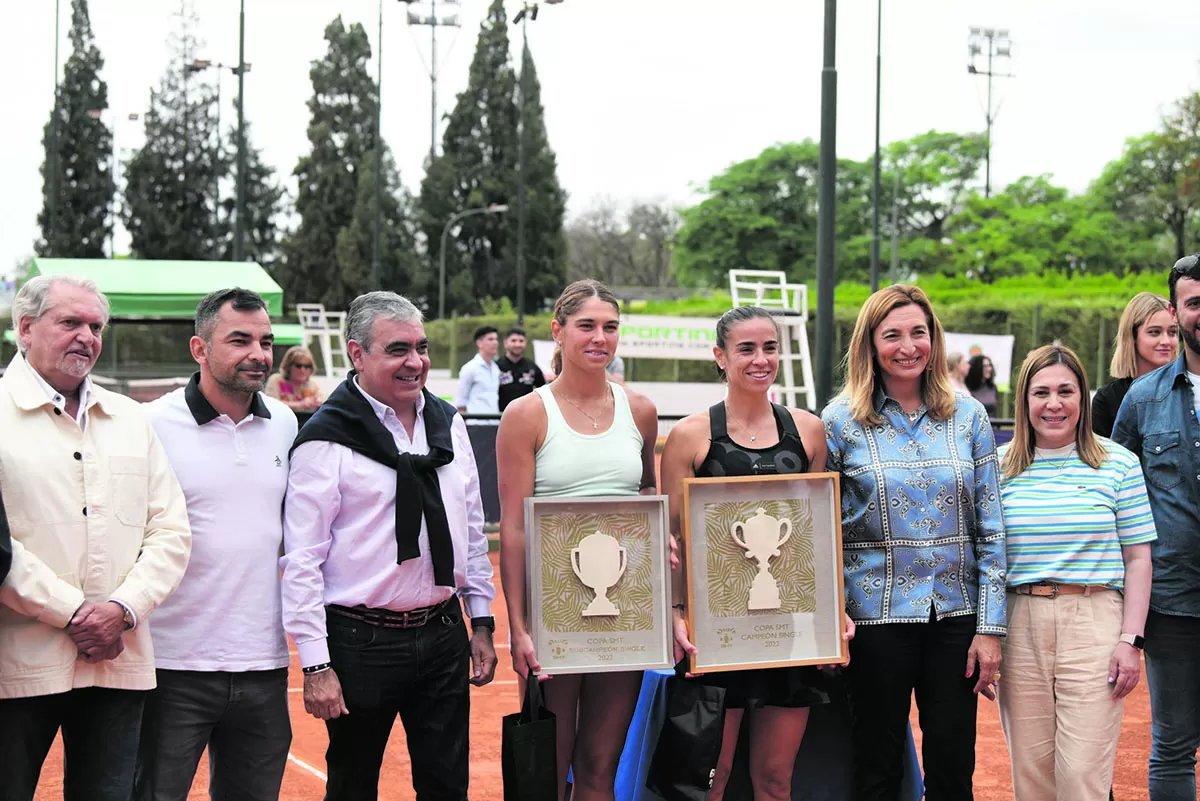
(302, 764)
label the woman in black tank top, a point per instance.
(747, 435)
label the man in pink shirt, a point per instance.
(383, 545)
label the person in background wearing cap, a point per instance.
(479, 379)
(1157, 421)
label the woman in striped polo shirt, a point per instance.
(1079, 531)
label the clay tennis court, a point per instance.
(304, 779)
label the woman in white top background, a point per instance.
(580, 436)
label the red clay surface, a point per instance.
(303, 780)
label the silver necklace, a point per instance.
(743, 426)
(595, 419)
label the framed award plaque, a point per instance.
(763, 562)
(597, 576)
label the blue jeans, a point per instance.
(100, 730)
(1173, 676)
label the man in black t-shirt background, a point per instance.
(518, 375)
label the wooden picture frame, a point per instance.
(773, 596)
(598, 580)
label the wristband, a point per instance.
(487, 622)
(308, 671)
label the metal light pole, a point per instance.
(199, 65)
(54, 181)
(434, 21)
(239, 218)
(522, 158)
(527, 12)
(492, 209)
(896, 227)
(378, 198)
(998, 46)
(827, 210)
(875, 185)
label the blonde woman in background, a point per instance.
(958, 365)
(1147, 338)
(1079, 529)
(294, 384)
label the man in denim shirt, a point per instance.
(1157, 421)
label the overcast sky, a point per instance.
(646, 99)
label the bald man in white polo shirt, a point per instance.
(219, 647)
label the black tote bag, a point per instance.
(685, 759)
(528, 750)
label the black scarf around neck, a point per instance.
(348, 419)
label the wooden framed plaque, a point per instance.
(763, 562)
(597, 573)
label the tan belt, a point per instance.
(1052, 589)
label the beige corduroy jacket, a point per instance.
(96, 515)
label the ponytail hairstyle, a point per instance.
(741, 314)
(570, 302)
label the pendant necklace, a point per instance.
(596, 419)
(743, 426)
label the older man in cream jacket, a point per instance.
(99, 536)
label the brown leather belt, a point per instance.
(387, 619)
(1052, 589)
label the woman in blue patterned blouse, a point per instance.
(1079, 533)
(923, 545)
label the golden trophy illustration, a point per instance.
(599, 561)
(761, 538)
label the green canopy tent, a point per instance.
(170, 290)
(152, 303)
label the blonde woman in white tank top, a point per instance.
(578, 436)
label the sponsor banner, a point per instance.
(650, 337)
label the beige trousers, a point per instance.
(1056, 704)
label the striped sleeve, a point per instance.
(1135, 521)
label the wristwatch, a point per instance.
(1136, 640)
(126, 615)
(488, 623)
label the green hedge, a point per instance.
(1080, 312)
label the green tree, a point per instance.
(761, 214)
(77, 173)
(1156, 181)
(264, 203)
(478, 167)
(399, 268)
(171, 208)
(545, 200)
(328, 258)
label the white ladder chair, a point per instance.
(328, 329)
(788, 304)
